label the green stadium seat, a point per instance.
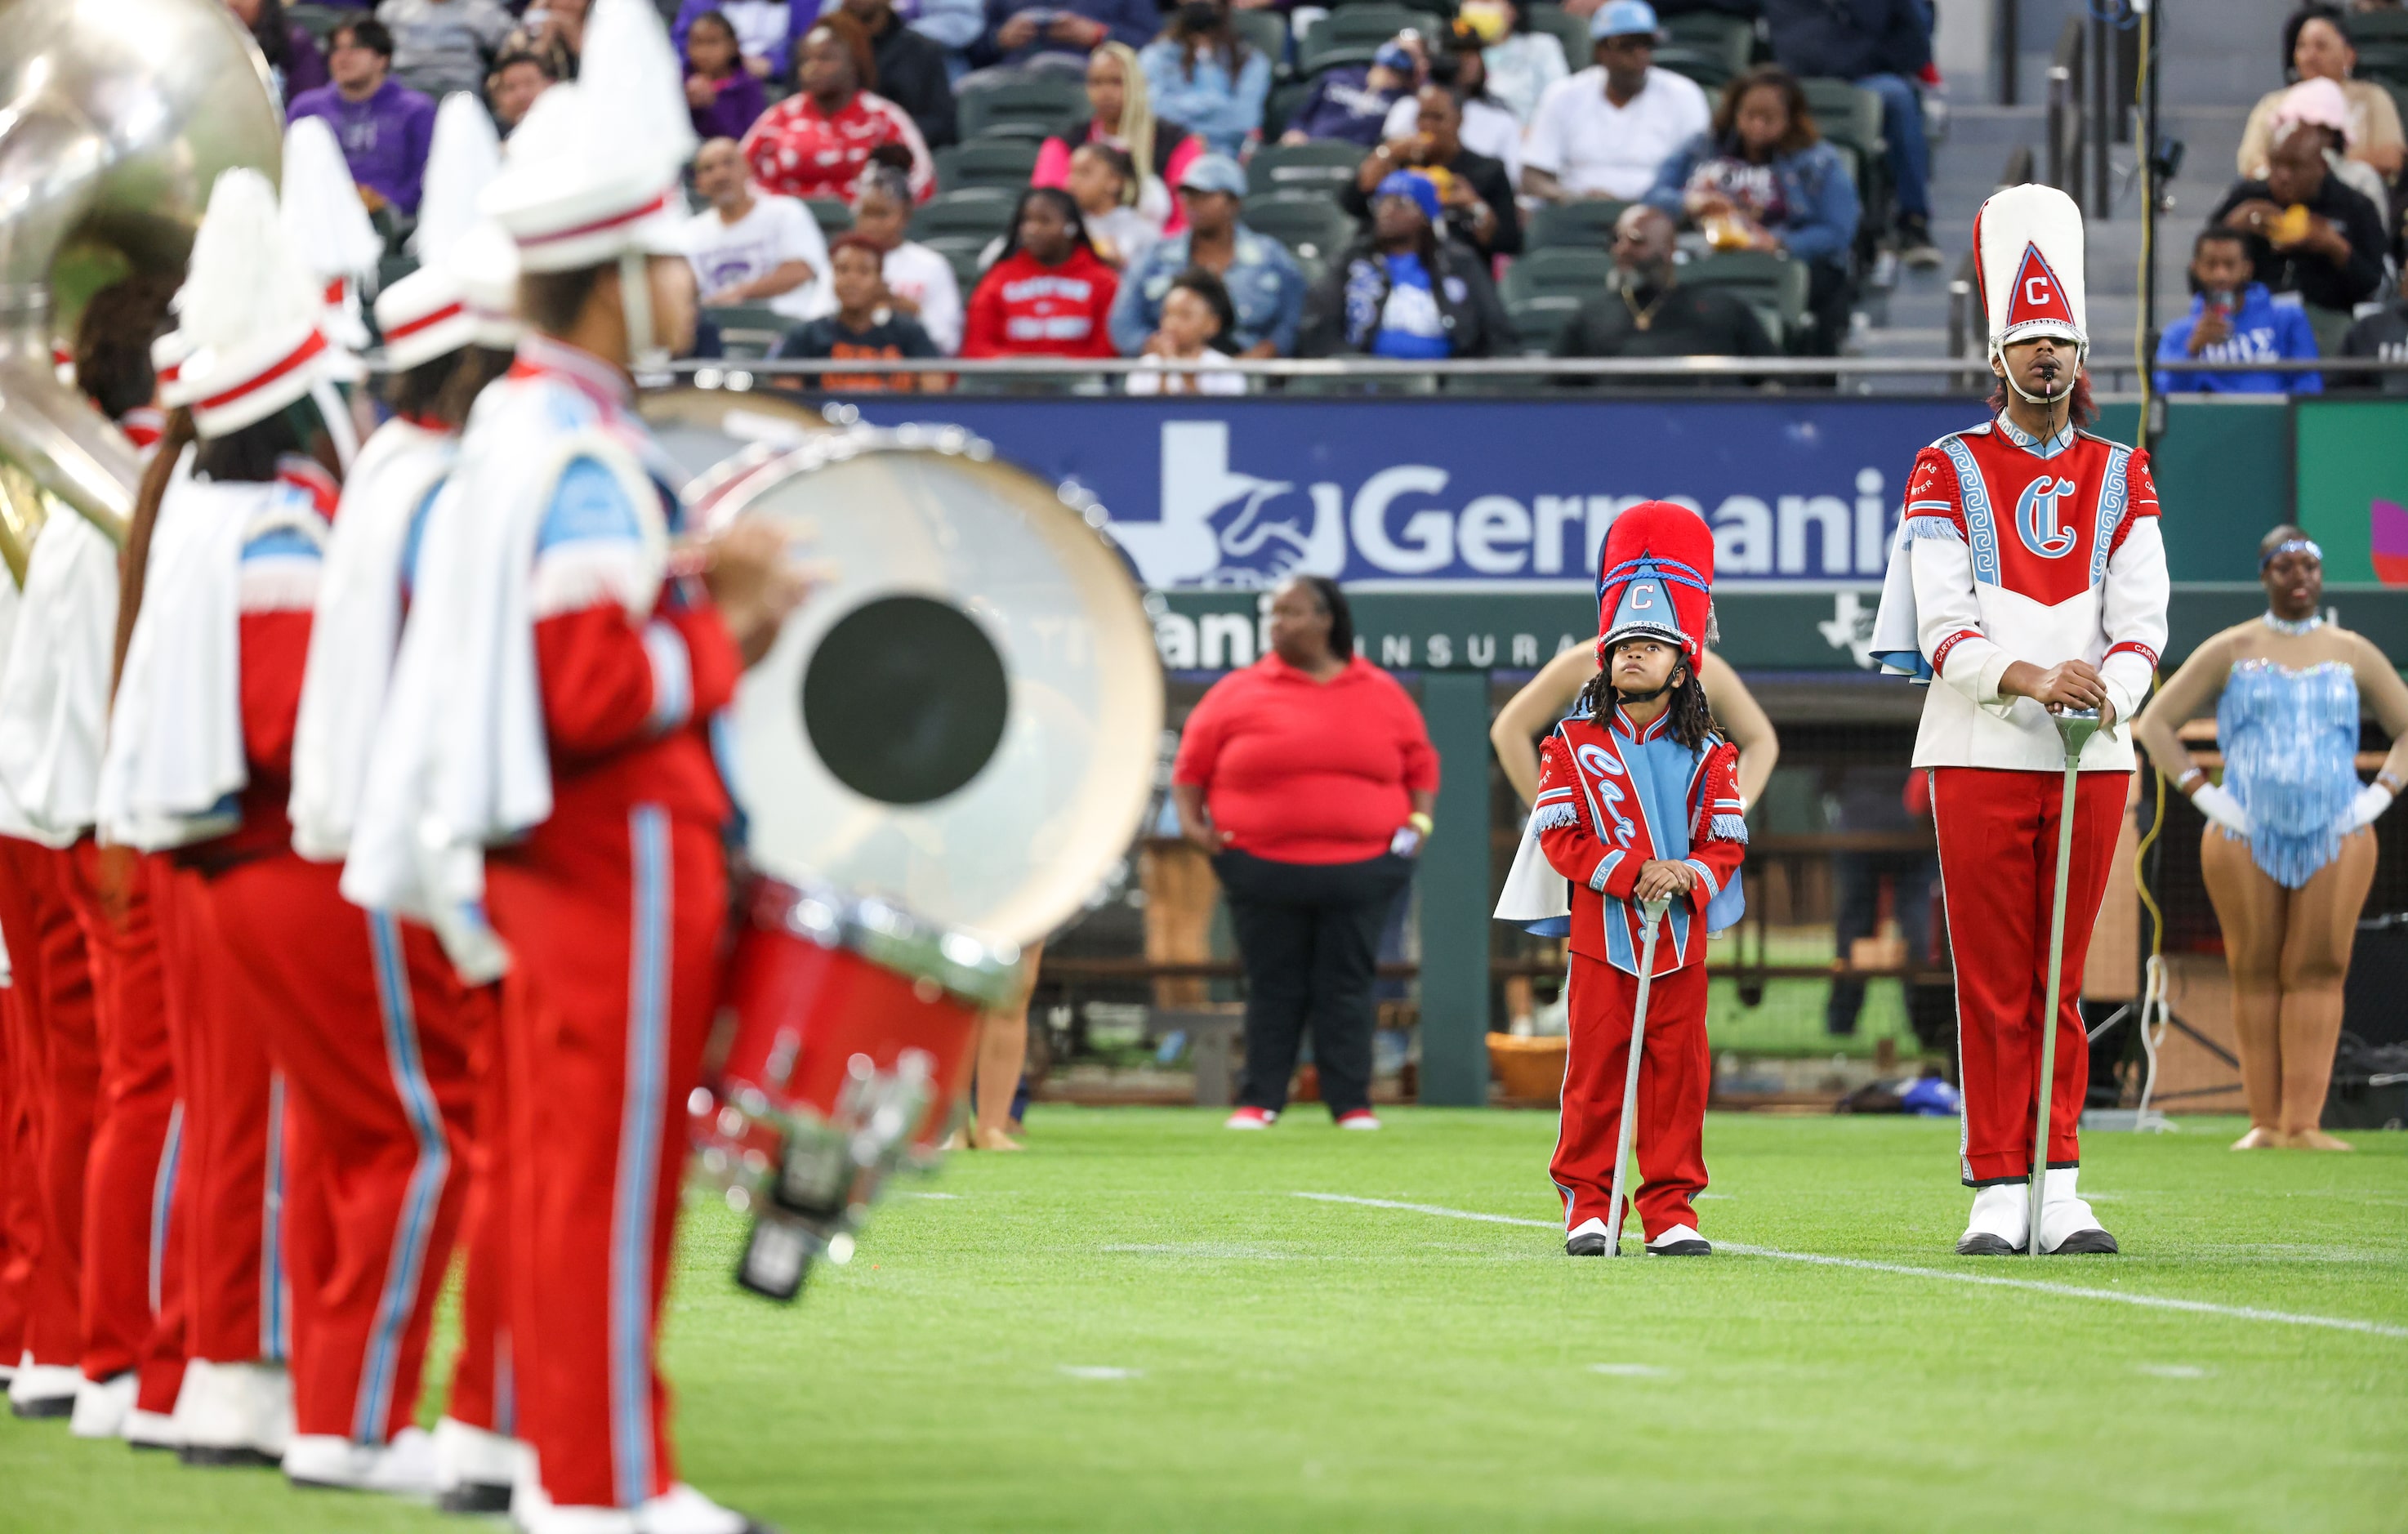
(833, 215)
(1586, 224)
(1564, 271)
(1266, 33)
(320, 21)
(1281, 105)
(1308, 223)
(1324, 167)
(1847, 113)
(1711, 69)
(1772, 284)
(962, 252)
(1569, 31)
(1007, 163)
(1027, 108)
(979, 212)
(747, 330)
(1731, 38)
(1353, 33)
(1540, 321)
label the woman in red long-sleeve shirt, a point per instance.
(1309, 777)
(1049, 294)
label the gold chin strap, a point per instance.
(21, 515)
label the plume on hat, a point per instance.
(327, 226)
(250, 308)
(433, 311)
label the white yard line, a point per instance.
(2070, 1291)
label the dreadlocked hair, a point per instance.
(1690, 719)
(174, 438)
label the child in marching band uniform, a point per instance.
(1637, 801)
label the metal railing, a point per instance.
(1814, 374)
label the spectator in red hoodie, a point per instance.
(1048, 293)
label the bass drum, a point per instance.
(702, 428)
(963, 718)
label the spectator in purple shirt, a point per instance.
(382, 125)
(721, 94)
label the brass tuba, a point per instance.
(115, 121)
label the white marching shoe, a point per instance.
(1680, 1242)
(2066, 1226)
(234, 1414)
(2002, 1221)
(149, 1430)
(683, 1510)
(102, 1406)
(475, 1468)
(44, 1390)
(403, 1467)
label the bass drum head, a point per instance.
(963, 718)
(702, 428)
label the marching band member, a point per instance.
(53, 708)
(1639, 801)
(2029, 577)
(432, 333)
(300, 998)
(550, 703)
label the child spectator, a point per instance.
(766, 31)
(723, 98)
(442, 46)
(1103, 185)
(1351, 104)
(1049, 293)
(919, 282)
(1196, 315)
(1640, 729)
(864, 328)
(754, 249)
(2234, 319)
(814, 143)
(384, 126)
(1200, 73)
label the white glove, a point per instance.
(2217, 804)
(2371, 800)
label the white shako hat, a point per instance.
(168, 356)
(250, 311)
(328, 228)
(2027, 259)
(427, 314)
(593, 170)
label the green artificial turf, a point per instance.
(1301, 1365)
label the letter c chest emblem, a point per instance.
(2037, 519)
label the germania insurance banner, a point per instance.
(1465, 493)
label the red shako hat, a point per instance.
(1657, 577)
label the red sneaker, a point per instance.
(1251, 1118)
(1361, 1118)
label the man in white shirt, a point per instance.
(1604, 132)
(751, 246)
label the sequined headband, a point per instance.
(2292, 546)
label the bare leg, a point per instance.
(2251, 909)
(2315, 957)
(1002, 1050)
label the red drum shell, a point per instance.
(803, 1010)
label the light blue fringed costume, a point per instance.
(2289, 741)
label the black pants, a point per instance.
(1855, 877)
(1309, 935)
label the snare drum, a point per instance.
(852, 1029)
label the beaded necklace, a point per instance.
(2293, 626)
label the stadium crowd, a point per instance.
(1380, 178)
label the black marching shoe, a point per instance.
(1591, 1243)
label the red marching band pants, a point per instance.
(130, 1176)
(614, 933)
(54, 1070)
(1997, 835)
(1675, 1074)
(369, 1026)
(483, 1394)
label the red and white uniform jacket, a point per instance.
(797, 150)
(2013, 549)
(1613, 798)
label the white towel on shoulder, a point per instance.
(54, 693)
